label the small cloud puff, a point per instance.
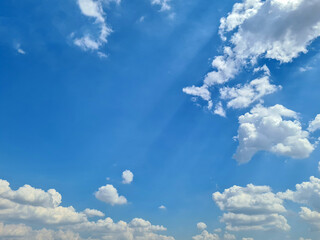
(127, 177)
(109, 194)
(201, 226)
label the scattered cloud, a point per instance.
(164, 4)
(242, 96)
(305, 69)
(162, 207)
(19, 49)
(314, 125)
(52, 221)
(127, 177)
(275, 129)
(251, 208)
(271, 29)
(109, 194)
(201, 226)
(94, 9)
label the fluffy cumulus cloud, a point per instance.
(94, 9)
(109, 194)
(205, 235)
(275, 129)
(127, 177)
(201, 226)
(271, 29)
(308, 194)
(54, 222)
(251, 208)
(164, 4)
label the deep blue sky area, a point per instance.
(70, 119)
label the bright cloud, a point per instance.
(251, 208)
(109, 194)
(93, 213)
(127, 177)
(162, 207)
(314, 125)
(275, 129)
(244, 96)
(205, 235)
(201, 226)
(94, 9)
(42, 208)
(272, 29)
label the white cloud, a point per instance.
(54, 222)
(19, 49)
(201, 226)
(305, 69)
(251, 208)
(205, 235)
(307, 193)
(127, 177)
(93, 213)
(314, 125)
(109, 194)
(94, 9)
(202, 92)
(219, 110)
(164, 4)
(269, 129)
(304, 238)
(13, 230)
(228, 236)
(247, 239)
(162, 207)
(243, 96)
(312, 217)
(272, 29)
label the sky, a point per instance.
(159, 120)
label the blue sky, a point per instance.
(197, 99)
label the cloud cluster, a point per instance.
(251, 208)
(275, 129)
(54, 222)
(271, 29)
(258, 208)
(94, 9)
(308, 194)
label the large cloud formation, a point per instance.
(271, 29)
(251, 208)
(275, 129)
(42, 209)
